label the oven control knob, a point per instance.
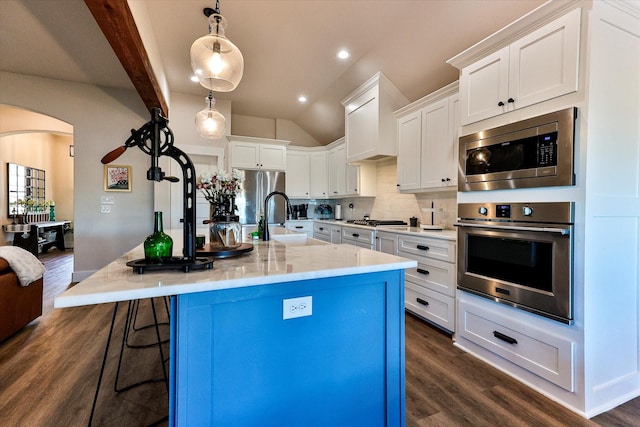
(527, 211)
(482, 210)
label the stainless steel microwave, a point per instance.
(536, 152)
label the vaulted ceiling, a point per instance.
(289, 47)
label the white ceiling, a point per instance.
(289, 47)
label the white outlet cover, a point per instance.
(297, 307)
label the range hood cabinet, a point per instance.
(370, 127)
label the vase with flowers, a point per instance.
(220, 190)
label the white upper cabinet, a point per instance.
(297, 178)
(428, 141)
(318, 175)
(257, 153)
(324, 173)
(370, 127)
(537, 67)
(409, 148)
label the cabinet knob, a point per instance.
(510, 100)
(500, 104)
(442, 179)
(448, 179)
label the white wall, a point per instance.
(102, 119)
(41, 151)
(261, 127)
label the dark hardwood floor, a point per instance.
(49, 370)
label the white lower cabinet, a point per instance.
(430, 287)
(430, 305)
(300, 227)
(539, 351)
(387, 242)
(358, 237)
(331, 233)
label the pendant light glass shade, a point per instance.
(210, 123)
(216, 61)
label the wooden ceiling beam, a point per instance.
(116, 22)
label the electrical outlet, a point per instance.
(297, 307)
(107, 200)
(105, 209)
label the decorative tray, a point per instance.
(184, 264)
(218, 252)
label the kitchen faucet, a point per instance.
(265, 233)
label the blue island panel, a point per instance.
(236, 362)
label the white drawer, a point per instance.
(545, 354)
(299, 226)
(321, 232)
(436, 275)
(321, 228)
(443, 250)
(433, 306)
(360, 235)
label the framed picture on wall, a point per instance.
(117, 178)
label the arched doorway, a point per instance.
(42, 143)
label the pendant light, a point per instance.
(210, 123)
(216, 61)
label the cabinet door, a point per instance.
(544, 64)
(336, 234)
(436, 142)
(332, 172)
(451, 160)
(361, 125)
(245, 155)
(273, 157)
(409, 147)
(484, 86)
(297, 176)
(341, 169)
(351, 180)
(318, 172)
(387, 242)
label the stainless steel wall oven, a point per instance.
(537, 152)
(518, 254)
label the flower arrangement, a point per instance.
(220, 190)
(324, 209)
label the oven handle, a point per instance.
(563, 231)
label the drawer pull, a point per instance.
(505, 338)
(421, 301)
(320, 228)
(299, 226)
(423, 247)
(421, 271)
(355, 235)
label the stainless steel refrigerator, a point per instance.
(256, 185)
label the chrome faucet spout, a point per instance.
(265, 233)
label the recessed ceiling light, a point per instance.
(194, 79)
(343, 54)
(302, 99)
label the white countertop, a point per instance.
(269, 262)
(414, 231)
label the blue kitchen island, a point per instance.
(240, 357)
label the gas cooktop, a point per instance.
(377, 222)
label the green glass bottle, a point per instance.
(158, 246)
